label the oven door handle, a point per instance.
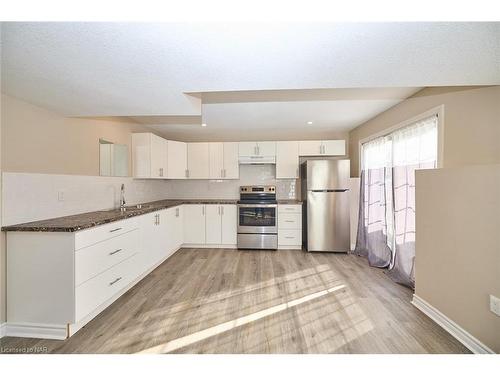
(258, 205)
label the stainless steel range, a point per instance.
(257, 218)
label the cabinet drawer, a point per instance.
(94, 292)
(290, 208)
(289, 237)
(92, 260)
(289, 221)
(91, 236)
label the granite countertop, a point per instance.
(86, 220)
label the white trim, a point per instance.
(42, 331)
(438, 111)
(207, 246)
(451, 327)
(289, 247)
(2, 329)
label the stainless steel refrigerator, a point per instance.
(326, 213)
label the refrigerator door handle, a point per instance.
(330, 191)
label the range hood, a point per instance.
(257, 159)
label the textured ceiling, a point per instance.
(136, 69)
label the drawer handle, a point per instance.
(115, 281)
(114, 230)
(289, 221)
(290, 238)
(114, 252)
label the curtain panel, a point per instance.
(386, 231)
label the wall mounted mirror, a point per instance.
(113, 159)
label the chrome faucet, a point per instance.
(122, 198)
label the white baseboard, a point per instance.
(472, 343)
(2, 329)
(205, 246)
(42, 331)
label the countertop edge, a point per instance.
(44, 225)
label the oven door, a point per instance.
(257, 218)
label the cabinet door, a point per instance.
(149, 243)
(231, 168)
(141, 155)
(247, 148)
(287, 159)
(216, 156)
(179, 226)
(213, 224)
(334, 147)
(310, 148)
(170, 228)
(177, 160)
(163, 234)
(229, 216)
(267, 148)
(159, 156)
(194, 223)
(198, 160)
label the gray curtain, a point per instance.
(403, 263)
(386, 229)
(371, 240)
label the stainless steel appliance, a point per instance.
(257, 218)
(326, 214)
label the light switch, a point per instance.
(495, 305)
(60, 196)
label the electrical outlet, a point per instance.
(495, 305)
(60, 196)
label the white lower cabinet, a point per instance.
(290, 226)
(58, 281)
(210, 224)
(194, 224)
(229, 218)
(213, 224)
(221, 224)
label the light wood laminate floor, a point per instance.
(230, 301)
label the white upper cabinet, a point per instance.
(159, 156)
(149, 156)
(334, 147)
(231, 168)
(177, 160)
(224, 160)
(310, 148)
(247, 149)
(266, 148)
(322, 148)
(287, 159)
(198, 160)
(216, 168)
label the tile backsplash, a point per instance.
(33, 196)
(229, 189)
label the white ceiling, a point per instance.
(133, 69)
(281, 114)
